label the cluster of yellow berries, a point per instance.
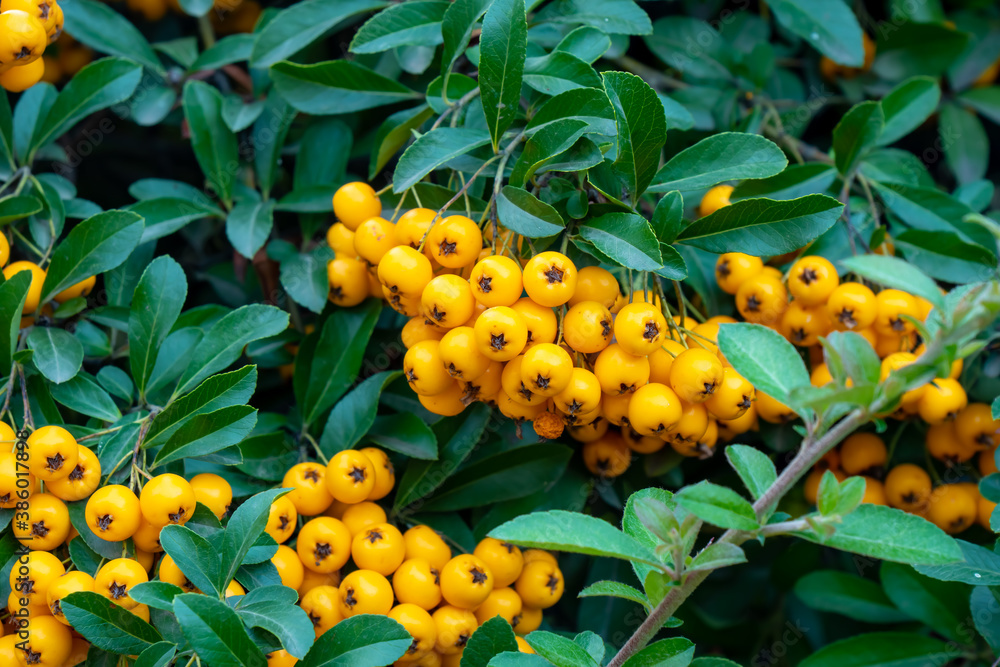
(539, 338)
(411, 577)
(60, 470)
(26, 28)
(953, 506)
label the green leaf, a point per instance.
(214, 144)
(559, 650)
(525, 214)
(856, 133)
(305, 279)
(642, 129)
(106, 625)
(966, 144)
(82, 394)
(457, 438)
(614, 589)
(559, 72)
(242, 532)
(456, 29)
(890, 534)
(160, 654)
(931, 210)
(584, 104)
(576, 533)
(828, 494)
(57, 354)
(166, 215)
(249, 225)
(895, 649)
(226, 51)
(627, 238)
(668, 218)
(17, 207)
(503, 47)
(503, 476)
(519, 660)
(983, 609)
(216, 632)
(763, 357)
(907, 106)
(945, 256)
(718, 505)
(268, 136)
(300, 25)
(208, 433)
(287, 622)
(615, 17)
(359, 640)
(543, 147)
(156, 304)
(979, 566)
(156, 594)
(830, 27)
(96, 245)
(92, 22)
(97, 86)
(13, 293)
(404, 433)
(353, 416)
(338, 357)
(586, 43)
(894, 272)
(795, 181)
(336, 86)
(393, 134)
(984, 100)
(7, 132)
(718, 555)
(763, 226)
(491, 638)
(32, 107)
(409, 24)
(196, 557)
(859, 359)
(942, 606)
(671, 42)
(903, 52)
(224, 342)
(431, 151)
(727, 156)
(753, 466)
(848, 595)
(674, 652)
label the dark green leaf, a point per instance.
(216, 632)
(626, 238)
(668, 217)
(57, 354)
(848, 595)
(830, 27)
(213, 143)
(616, 17)
(718, 505)
(353, 415)
(394, 133)
(753, 466)
(156, 304)
(966, 145)
(945, 256)
(268, 137)
(196, 557)
(13, 293)
(491, 638)
(584, 104)
(642, 129)
(166, 215)
(675, 652)
(242, 532)
(856, 133)
(456, 29)
(942, 606)
(559, 650)
(979, 566)
(18, 207)
(545, 145)
(894, 272)
(92, 22)
(249, 225)
(305, 278)
(335, 86)
(301, 24)
(409, 24)
(503, 45)
(795, 181)
(208, 433)
(898, 649)
(405, 433)
(559, 72)
(983, 609)
(614, 589)
(908, 105)
(728, 156)
(156, 594)
(432, 150)
(228, 50)
(763, 226)
(106, 625)
(577, 533)
(159, 654)
(763, 357)
(285, 621)
(527, 215)
(82, 394)
(359, 640)
(984, 100)
(903, 52)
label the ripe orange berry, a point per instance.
(503, 602)
(365, 592)
(581, 396)
(447, 301)
(714, 199)
(213, 492)
(655, 409)
(461, 356)
(607, 456)
(354, 203)
(362, 516)
(424, 368)
(540, 585)
(423, 542)
(588, 327)
(772, 410)
(52, 453)
(504, 560)
(71, 582)
(943, 444)
(448, 403)
(413, 225)
(496, 281)
(500, 333)
(322, 605)
(892, 307)
(379, 548)
(550, 279)
(862, 452)
(690, 430)
(47, 643)
(907, 487)
(762, 299)
(82, 481)
(117, 577)
(418, 329)
(454, 628)
(31, 302)
(732, 269)
(620, 372)
(350, 476)
(466, 581)
(348, 278)
(527, 621)
(309, 493)
(812, 279)
(596, 284)
(421, 627)
(852, 306)
(695, 374)
(289, 566)
(732, 398)
(455, 241)
(167, 499)
(385, 473)
(803, 325)
(943, 399)
(662, 358)
(282, 520)
(404, 271)
(640, 328)
(546, 369)
(113, 513)
(540, 320)
(341, 239)
(951, 509)
(976, 428)
(324, 544)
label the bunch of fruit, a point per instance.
(539, 338)
(26, 28)
(439, 598)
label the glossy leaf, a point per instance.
(248, 226)
(642, 129)
(91, 22)
(763, 357)
(898, 649)
(56, 354)
(856, 133)
(894, 272)
(336, 86)
(626, 238)
(717, 505)
(359, 640)
(354, 414)
(404, 433)
(13, 293)
(213, 143)
(525, 214)
(107, 625)
(727, 156)
(412, 23)
(432, 150)
(216, 632)
(492, 637)
(942, 606)
(674, 652)
(301, 24)
(848, 595)
(830, 27)
(503, 45)
(908, 105)
(755, 469)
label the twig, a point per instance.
(462, 101)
